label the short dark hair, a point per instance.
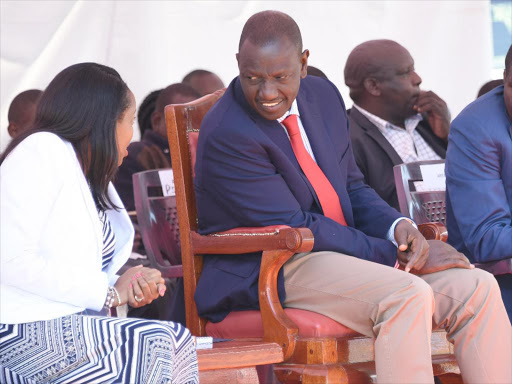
(168, 95)
(195, 73)
(314, 71)
(508, 60)
(19, 103)
(489, 86)
(82, 105)
(362, 63)
(146, 108)
(267, 27)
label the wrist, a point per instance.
(407, 220)
(112, 299)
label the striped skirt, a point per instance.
(89, 349)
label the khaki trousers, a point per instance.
(400, 309)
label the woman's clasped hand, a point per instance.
(139, 286)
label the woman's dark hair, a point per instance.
(82, 105)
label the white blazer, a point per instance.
(51, 237)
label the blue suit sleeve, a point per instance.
(476, 191)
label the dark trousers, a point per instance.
(505, 283)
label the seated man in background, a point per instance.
(489, 86)
(203, 81)
(275, 149)
(479, 182)
(152, 152)
(314, 71)
(392, 121)
(22, 111)
(145, 110)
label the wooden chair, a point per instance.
(316, 349)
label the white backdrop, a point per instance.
(155, 43)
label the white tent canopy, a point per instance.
(155, 43)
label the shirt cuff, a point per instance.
(391, 233)
(113, 280)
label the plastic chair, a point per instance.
(430, 207)
(158, 223)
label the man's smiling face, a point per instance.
(270, 75)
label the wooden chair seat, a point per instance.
(240, 324)
(235, 361)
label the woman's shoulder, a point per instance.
(44, 143)
(45, 140)
(40, 150)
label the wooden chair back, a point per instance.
(421, 206)
(158, 223)
(183, 123)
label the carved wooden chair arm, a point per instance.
(246, 240)
(278, 244)
(433, 231)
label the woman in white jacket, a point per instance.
(64, 233)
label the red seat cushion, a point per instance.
(241, 324)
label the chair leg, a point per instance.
(247, 375)
(322, 374)
(450, 378)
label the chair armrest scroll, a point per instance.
(433, 231)
(277, 326)
(246, 240)
(278, 244)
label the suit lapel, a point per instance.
(272, 128)
(373, 132)
(321, 144)
(431, 139)
(275, 132)
(323, 149)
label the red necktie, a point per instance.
(326, 194)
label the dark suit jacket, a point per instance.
(479, 181)
(376, 157)
(247, 176)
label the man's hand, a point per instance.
(436, 112)
(412, 250)
(443, 256)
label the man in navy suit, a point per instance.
(254, 169)
(479, 182)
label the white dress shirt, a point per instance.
(408, 143)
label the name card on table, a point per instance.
(433, 177)
(167, 181)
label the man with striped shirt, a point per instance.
(392, 121)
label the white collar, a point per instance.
(294, 110)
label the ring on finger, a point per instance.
(137, 299)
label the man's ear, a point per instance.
(12, 130)
(237, 55)
(304, 63)
(371, 85)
